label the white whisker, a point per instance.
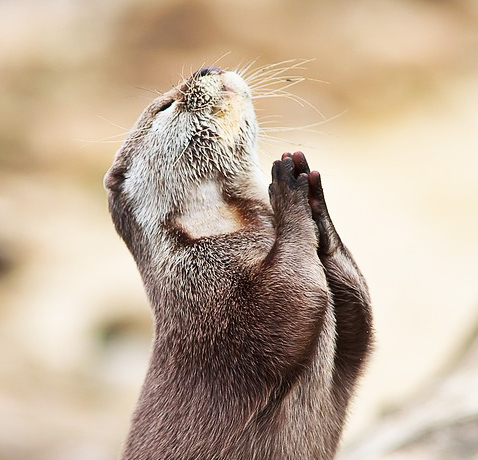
(220, 58)
(260, 72)
(113, 124)
(243, 71)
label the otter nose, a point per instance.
(207, 71)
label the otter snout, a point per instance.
(233, 82)
(208, 86)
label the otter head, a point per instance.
(201, 132)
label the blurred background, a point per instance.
(397, 145)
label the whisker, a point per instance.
(316, 80)
(277, 90)
(268, 87)
(272, 71)
(111, 123)
(136, 133)
(153, 91)
(271, 68)
(261, 123)
(220, 58)
(269, 116)
(87, 141)
(294, 97)
(113, 138)
(276, 79)
(285, 96)
(268, 75)
(280, 141)
(304, 128)
(242, 72)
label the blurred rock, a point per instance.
(440, 425)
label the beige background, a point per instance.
(398, 151)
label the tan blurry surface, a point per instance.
(399, 166)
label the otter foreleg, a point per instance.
(349, 290)
(292, 266)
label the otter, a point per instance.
(262, 319)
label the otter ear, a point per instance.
(114, 178)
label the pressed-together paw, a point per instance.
(298, 168)
(329, 240)
(300, 163)
(289, 186)
(315, 192)
(316, 196)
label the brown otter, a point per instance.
(262, 319)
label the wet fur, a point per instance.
(262, 318)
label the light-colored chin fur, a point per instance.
(171, 178)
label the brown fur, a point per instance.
(260, 333)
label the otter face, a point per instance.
(202, 131)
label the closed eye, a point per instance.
(165, 106)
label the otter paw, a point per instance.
(316, 196)
(328, 237)
(289, 186)
(300, 163)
